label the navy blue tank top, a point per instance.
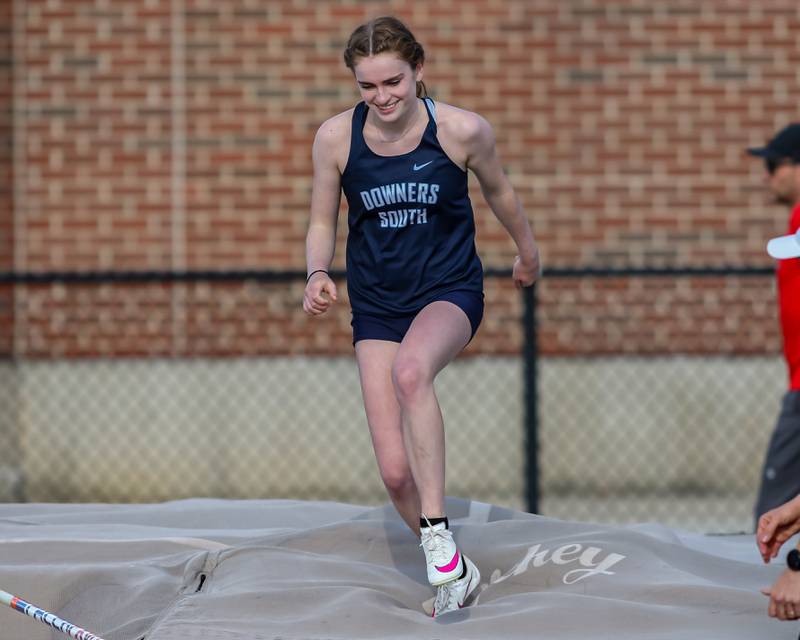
(411, 227)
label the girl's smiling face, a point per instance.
(388, 84)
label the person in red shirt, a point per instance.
(777, 525)
(780, 478)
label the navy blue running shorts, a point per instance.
(394, 329)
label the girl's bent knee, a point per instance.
(409, 380)
(398, 483)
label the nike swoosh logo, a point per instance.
(417, 167)
(450, 565)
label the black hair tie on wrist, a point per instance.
(315, 271)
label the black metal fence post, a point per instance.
(530, 391)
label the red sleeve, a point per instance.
(788, 273)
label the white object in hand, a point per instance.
(785, 246)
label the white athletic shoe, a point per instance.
(453, 595)
(441, 554)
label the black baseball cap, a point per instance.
(785, 144)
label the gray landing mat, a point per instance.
(276, 569)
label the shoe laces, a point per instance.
(435, 542)
(446, 598)
(443, 599)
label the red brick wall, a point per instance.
(6, 177)
(177, 135)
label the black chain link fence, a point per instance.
(651, 398)
(659, 396)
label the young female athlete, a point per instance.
(414, 278)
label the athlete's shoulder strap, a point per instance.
(430, 105)
(357, 129)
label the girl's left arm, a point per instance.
(482, 159)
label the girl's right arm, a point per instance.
(326, 190)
